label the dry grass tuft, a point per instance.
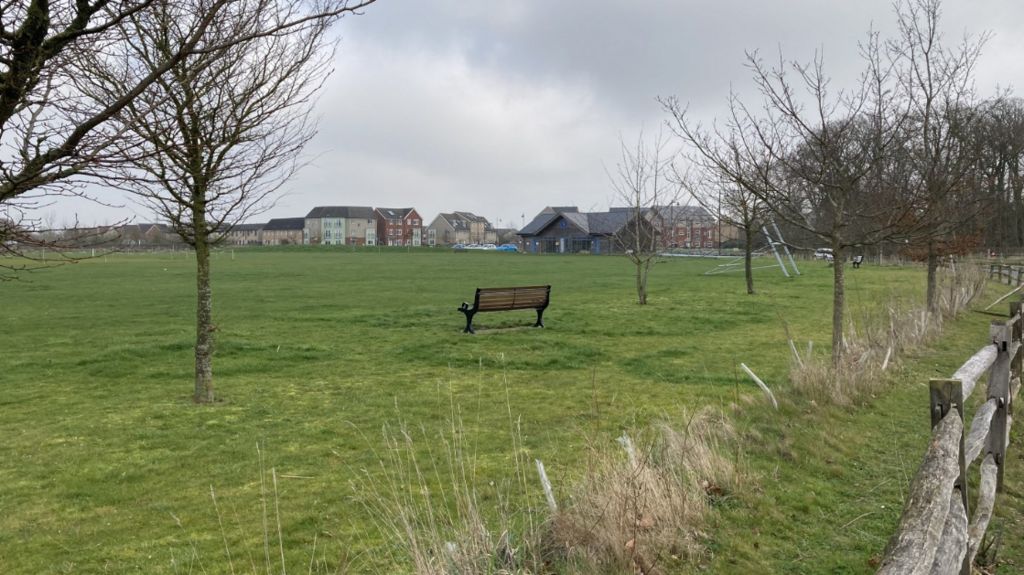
(874, 344)
(642, 509)
(438, 520)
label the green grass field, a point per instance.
(107, 467)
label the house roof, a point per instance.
(591, 223)
(395, 212)
(352, 212)
(247, 227)
(606, 223)
(286, 224)
(454, 221)
(546, 216)
(537, 224)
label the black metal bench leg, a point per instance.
(540, 318)
(469, 321)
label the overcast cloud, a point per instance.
(502, 108)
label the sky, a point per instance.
(503, 108)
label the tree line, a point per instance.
(908, 158)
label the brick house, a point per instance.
(684, 226)
(283, 231)
(340, 225)
(399, 227)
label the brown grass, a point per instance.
(643, 508)
(876, 341)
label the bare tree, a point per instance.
(827, 152)
(937, 81)
(643, 184)
(210, 142)
(732, 174)
(51, 136)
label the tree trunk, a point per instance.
(748, 248)
(1015, 188)
(933, 288)
(838, 302)
(641, 283)
(204, 320)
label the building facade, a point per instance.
(245, 235)
(460, 228)
(283, 231)
(399, 227)
(567, 230)
(340, 225)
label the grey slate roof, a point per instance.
(248, 227)
(592, 223)
(401, 213)
(581, 221)
(538, 223)
(285, 224)
(455, 221)
(354, 212)
(606, 223)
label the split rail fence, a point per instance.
(1006, 274)
(934, 535)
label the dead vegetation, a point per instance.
(877, 340)
(639, 508)
(643, 508)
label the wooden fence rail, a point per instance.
(1006, 274)
(934, 535)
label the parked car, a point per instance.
(508, 248)
(459, 247)
(823, 254)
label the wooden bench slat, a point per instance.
(508, 299)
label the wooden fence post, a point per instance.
(947, 395)
(999, 388)
(1015, 336)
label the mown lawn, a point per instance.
(106, 466)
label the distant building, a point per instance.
(399, 227)
(245, 235)
(460, 228)
(144, 235)
(340, 225)
(683, 226)
(567, 230)
(283, 231)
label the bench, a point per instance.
(507, 299)
(857, 260)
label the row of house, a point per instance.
(554, 230)
(363, 225)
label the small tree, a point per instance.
(827, 154)
(214, 139)
(642, 183)
(732, 173)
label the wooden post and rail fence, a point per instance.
(1006, 274)
(934, 535)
